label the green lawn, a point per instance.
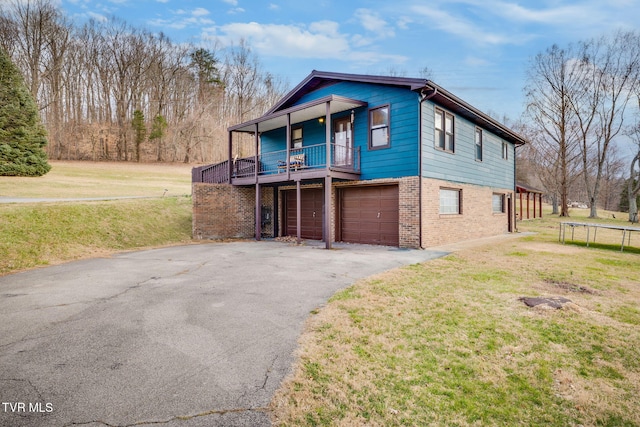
(448, 342)
(102, 179)
(37, 234)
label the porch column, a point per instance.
(298, 213)
(535, 207)
(258, 212)
(327, 121)
(230, 164)
(521, 217)
(540, 205)
(328, 233)
(256, 165)
(288, 142)
(528, 210)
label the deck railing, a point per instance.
(275, 162)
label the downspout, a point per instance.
(424, 98)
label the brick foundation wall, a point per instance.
(222, 211)
(476, 220)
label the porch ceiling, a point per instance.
(299, 113)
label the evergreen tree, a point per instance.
(140, 130)
(22, 136)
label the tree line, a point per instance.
(580, 111)
(110, 91)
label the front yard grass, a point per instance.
(33, 235)
(448, 342)
(40, 234)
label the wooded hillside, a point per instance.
(109, 91)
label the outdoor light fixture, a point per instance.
(353, 116)
(321, 120)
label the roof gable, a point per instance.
(320, 79)
(427, 89)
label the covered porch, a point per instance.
(310, 142)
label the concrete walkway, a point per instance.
(198, 335)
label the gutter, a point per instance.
(422, 99)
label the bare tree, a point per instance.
(610, 73)
(633, 184)
(88, 82)
(552, 79)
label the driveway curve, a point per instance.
(197, 335)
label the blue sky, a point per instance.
(477, 49)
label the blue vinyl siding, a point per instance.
(461, 166)
(401, 159)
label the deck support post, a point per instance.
(327, 123)
(288, 155)
(298, 212)
(230, 164)
(327, 212)
(258, 212)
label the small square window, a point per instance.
(450, 201)
(379, 128)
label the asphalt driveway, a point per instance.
(198, 335)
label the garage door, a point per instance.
(370, 215)
(312, 200)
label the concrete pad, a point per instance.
(198, 335)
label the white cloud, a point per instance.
(200, 11)
(183, 19)
(162, 1)
(372, 22)
(235, 10)
(289, 40)
(461, 27)
(273, 6)
(231, 2)
(318, 40)
(97, 16)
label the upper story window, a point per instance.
(296, 137)
(379, 127)
(444, 131)
(479, 144)
(505, 150)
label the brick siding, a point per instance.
(476, 220)
(222, 211)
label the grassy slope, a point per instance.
(42, 234)
(46, 233)
(448, 342)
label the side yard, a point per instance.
(449, 342)
(36, 234)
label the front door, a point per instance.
(343, 143)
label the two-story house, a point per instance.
(364, 159)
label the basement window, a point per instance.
(498, 203)
(450, 201)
